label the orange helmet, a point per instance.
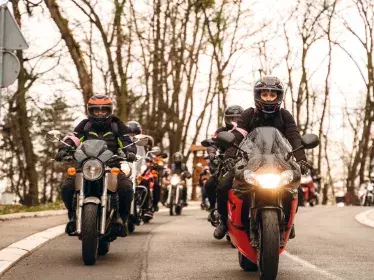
(100, 109)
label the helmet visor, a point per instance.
(100, 111)
(268, 95)
(231, 119)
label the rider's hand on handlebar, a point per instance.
(130, 156)
(62, 153)
(304, 166)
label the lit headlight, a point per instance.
(92, 169)
(370, 188)
(306, 179)
(126, 168)
(286, 177)
(175, 180)
(268, 181)
(250, 177)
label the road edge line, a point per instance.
(362, 218)
(311, 266)
(15, 252)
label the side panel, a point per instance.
(237, 232)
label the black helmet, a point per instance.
(177, 157)
(134, 127)
(100, 109)
(232, 113)
(274, 85)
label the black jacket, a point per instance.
(179, 168)
(114, 134)
(282, 120)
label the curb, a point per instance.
(20, 249)
(364, 219)
(46, 213)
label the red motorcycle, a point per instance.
(307, 191)
(263, 201)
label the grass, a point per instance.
(10, 209)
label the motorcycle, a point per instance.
(366, 194)
(307, 192)
(140, 192)
(174, 200)
(96, 199)
(263, 200)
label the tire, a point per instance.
(171, 205)
(178, 209)
(103, 247)
(268, 253)
(246, 264)
(131, 226)
(90, 238)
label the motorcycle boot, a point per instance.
(71, 226)
(221, 229)
(292, 233)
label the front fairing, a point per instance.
(93, 149)
(266, 148)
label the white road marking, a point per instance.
(311, 266)
(364, 219)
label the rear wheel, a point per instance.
(90, 237)
(246, 264)
(268, 253)
(103, 247)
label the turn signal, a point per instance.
(115, 171)
(72, 171)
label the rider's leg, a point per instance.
(223, 188)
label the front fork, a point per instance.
(104, 200)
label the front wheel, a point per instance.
(171, 204)
(246, 264)
(90, 236)
(268, 253)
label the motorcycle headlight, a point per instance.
(370, 188)
(268, 181)
(175, 180)
(305, 179)
(250, 177)
(286, 177)
(126, 168)
(92, 169)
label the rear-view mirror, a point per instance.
(225, 139)
(310, 141)
(141, 139)
(207, 143)
(53, 136)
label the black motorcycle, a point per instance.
(96, 201)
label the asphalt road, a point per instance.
(329, 244)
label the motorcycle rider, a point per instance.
(180, 168)
(135, 129)
(101, 124)
(231, 116)
(268, 97)
(203, 177)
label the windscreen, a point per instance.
(266, 148)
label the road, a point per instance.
(329, 244)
